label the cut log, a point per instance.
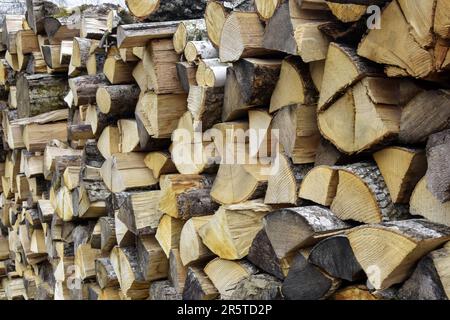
(117, 71)
(284, 183)
(262, 255)
(242, 37)
(295, 85)
(425, 114)
(186, 196)
(186, 75)
(343, 68)
(401, 168)
(335, 256)
(168, 233)
(36, 136)
(125, 171)
(307, 282)
(38, 94)
(357, 292)
(205, 105)
(198, 286)
(377, 248)
(438, 175)
(107, 234)
(105, 275)
(160, 163)
(118, 100)
(320, 185)
(225, 274)
(424, 203)
(152, 259)
(430, 279)
(37, 10)
(138, 35)
(361, 185)
(297, 132)
(202, 49)
(84, 88)
(177, 272)
(266, 8)
(303, 222)
(258, 287)
(190, 30)
(192, 249)
(243, 222)
(129, 136)
(165, 10)
(163, 290)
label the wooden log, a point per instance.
(394, 264)
(107, 234)
(226, 274)
(266, 8)
(401, 168)
(129, 136)
(117, 100)
(198, 286)
(163, 290)
(429, 281)
(189, 30)
(36, 136)
(160, 61)
(160, 163)
(37, 10)
(192, 249)
(437, 175)
(414, 127)
(138, 35)
(186, 196)
(205, 105)
(284, 183)
(168, 233)
(242, 37)
(250, 84)
(105, 275)
(243, 222)
(316, 284)
(295, 85)
(358, 292)
(164, 10)
(300, 221)
(38, 94)
(258, 287)
(99, 121)
(335, 256)
(347, 12)
(365, 182)
(186, 75)
(63, 27)
(202, 49)
(84, 88)
(151, 257)
(424, 203)
(124, 237)
(320, 185)
(262, 255)
(117, 71)
(177, 271)
(297, 132)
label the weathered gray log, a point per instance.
(257, 287)
(84, 88)
(37, 10)
(195, 203)
(438, 158)
(40, 93)
(108, 234)
(106, 276)
(151, 257)
(335, 256)
(163, 290)
(118, 100)
(186, 74)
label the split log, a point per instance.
(262, 255)
(401, 168)
(335, 256)
(394, 263)
(129, 136)
(163, 290)
(64, 26)
(424, 203)
(37, 10)
(361, 185)
(177, 271)
(192, 249)
(437, 174)
(186, 75)
(189, 30)
(105, 275)
(168, 233)
(165, 10)
(242, 37)
(126, 171)
(118, 100)
(307, 282)
(160, 163)
(320, 185)
(304, 224)
(243, 221)
(138, 35)
(266, 8)
(225, 274)
(249, 84)
(38, 94)
(205, 105)
(424, 115)
(36, 136)
(84, 88)
(186, 196)
(124, 237)
(352, 69)
(295, 85)
(117, 71)
(348, 12)
(198, 286)
(285, 181)
(297, 133)
(107, 234)
(152, 259)
(358, 292)
(429, 280)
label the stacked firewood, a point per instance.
(242, 149)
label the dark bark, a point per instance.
(438, 173)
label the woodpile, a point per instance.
(200, 150)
